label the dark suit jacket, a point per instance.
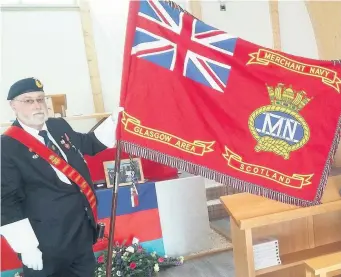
(30, 188)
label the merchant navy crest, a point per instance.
(278, 127)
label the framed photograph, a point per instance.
(125, 172)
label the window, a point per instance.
(10, 2)
(48, 2)
(39, 2)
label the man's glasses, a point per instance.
(40, 100)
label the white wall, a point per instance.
(49, 45)
(109, 23)
(251, 21)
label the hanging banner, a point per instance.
(207, 102)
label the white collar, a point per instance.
(31, 130)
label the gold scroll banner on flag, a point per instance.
(197, 147)
(266, 57)
(294, 181)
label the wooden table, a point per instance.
(323, 266)
(303, 233)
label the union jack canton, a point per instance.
(167, 37)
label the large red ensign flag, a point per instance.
(212, 104)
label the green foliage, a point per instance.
(134, 261)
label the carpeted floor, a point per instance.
(217, 242)
(217, 265)
(216, 261)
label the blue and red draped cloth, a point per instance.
(139, 219)
(141, 222)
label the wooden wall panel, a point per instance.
(326, 20)
(91, 56)
(274, 16)
(195, 8)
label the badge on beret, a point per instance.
(23, 86)
(38, 83)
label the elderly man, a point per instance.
(48, 205)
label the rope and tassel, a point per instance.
(229, 181)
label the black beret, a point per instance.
(23, 86)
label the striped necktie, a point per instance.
(49, 143)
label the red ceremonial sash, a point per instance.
(52, 158)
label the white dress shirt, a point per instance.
(105, 133)
(35, 133)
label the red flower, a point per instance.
(160, 260)
(139, 249)
(100, 259)
(132, 265)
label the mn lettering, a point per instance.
(279, 127)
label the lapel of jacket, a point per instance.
(74, 157)
(40, 164)
(60, 138)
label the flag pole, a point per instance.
(113, 209)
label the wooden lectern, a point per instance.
(56, 104)
(302, 233)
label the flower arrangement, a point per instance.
(134, 261)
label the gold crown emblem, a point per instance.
(38, 83)
(288, 98)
